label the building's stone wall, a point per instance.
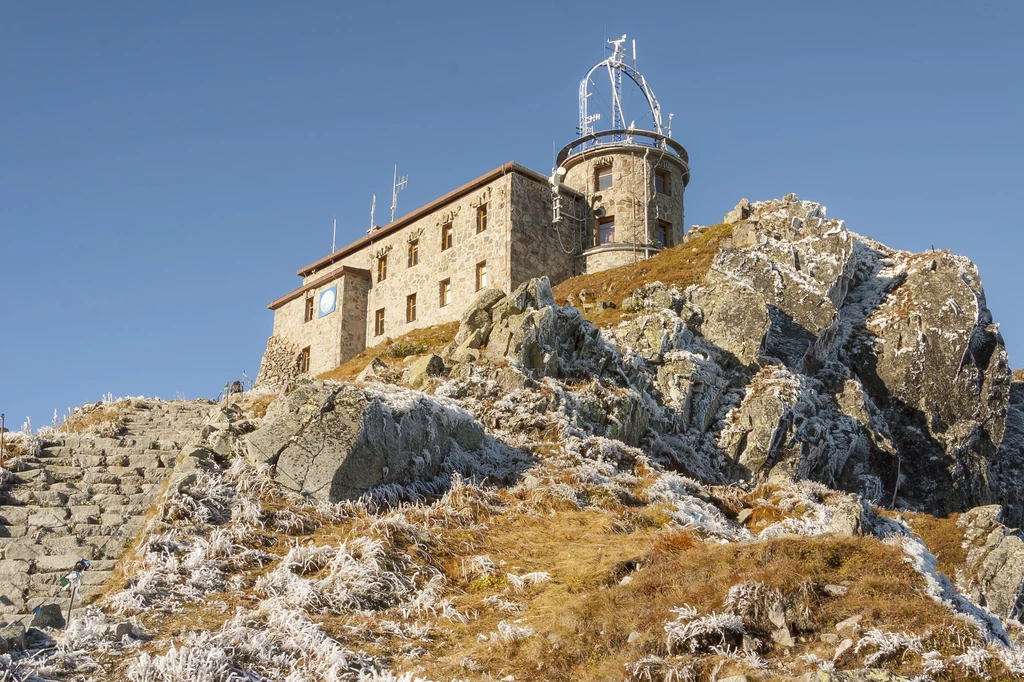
(353, 302)
(614, 256)
(333, 338)
(457, 263)
(540, 248)
(632, 188)
(280, 363)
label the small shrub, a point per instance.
(403, 349)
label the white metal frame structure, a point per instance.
(616, 66)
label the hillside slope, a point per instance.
(778, 450)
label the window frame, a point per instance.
(447, 236)
(481, 218)
(666, 182)
(599, 172)
(378, 322)
(304, 355)
(414, 252)
(602, 226)
(665, 233)
(382, 268)
(310, 311)
(481, 275)
(445, 292)
(410, 308)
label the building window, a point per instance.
(603, 177)
(382, 268)
(304, 360)
(661, 184)
(606, 230)
(310, 307)
(481, 218)
(410, 308)
(446, 236)
(664, 234)
(481, 275)
(378, 323)
(445, 292)
(414, 252)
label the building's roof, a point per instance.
(329, 277)
(505, 169)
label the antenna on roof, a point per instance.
(373, 207)
(397, 186)
(334, 235)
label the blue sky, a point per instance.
(166, 167)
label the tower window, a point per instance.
(382, 268)
(603, 177)
(606, 230)
(481, 218)
(481, 275)
(310, 307)
(445, 293)
(414, 252)
(446, 236)
(304, 360)
(378, 323)
(410, 308)
(661, 181)
(665, 234)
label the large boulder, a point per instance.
(936, 363)
(691, 387)
(422, 370)
(787, 428)
(774, 294)
(994, 574)
(338, 442)
(528, 328)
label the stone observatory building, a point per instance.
(616, 197)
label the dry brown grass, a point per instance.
(426, 340)
(1018, 375)
(105, 418)
(258, 407)
(680, 266)
(585, 615)
(942, 537)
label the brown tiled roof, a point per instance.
(319, 281)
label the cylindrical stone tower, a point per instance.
(632, 179)
(633, 182)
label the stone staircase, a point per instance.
(86, 497)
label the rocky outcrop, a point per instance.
(807, 352)
(774, 294)
(994, 573)
(335, 442)
(530, 329)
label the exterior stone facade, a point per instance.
(497, 231)
(630, 200)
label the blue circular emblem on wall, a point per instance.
(328, 301)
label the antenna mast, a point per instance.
(373, 207)
(334, 235)
(397, 186)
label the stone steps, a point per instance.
(86, 498)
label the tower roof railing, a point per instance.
(626, 137)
